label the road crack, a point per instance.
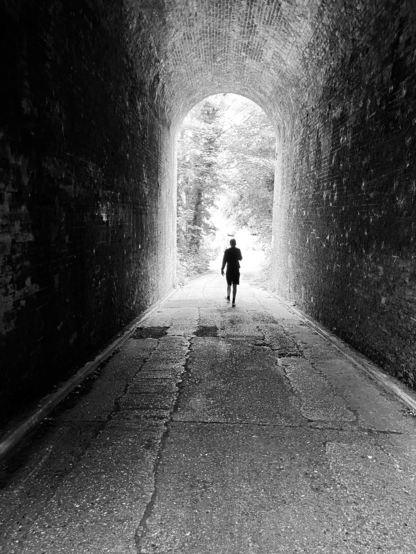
(142, 528)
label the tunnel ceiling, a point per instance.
(268, 50)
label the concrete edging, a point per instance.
(387, 382)
(18, 433)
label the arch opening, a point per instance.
(226, 175)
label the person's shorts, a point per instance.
(233, 276)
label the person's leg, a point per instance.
(228, 278)
(234, 293)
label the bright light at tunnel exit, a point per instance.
(236, 111)
(253, 255)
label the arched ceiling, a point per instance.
(267, 50)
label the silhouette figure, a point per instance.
(232, 257)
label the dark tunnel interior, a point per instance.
(92, 96)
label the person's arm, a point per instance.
(240, 256)
(224, 261)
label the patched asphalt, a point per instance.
(217, 430)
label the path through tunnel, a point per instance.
(92, 99)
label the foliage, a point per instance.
(248, 164)
(199, 182)
(226, 148)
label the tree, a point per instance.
(248, 164)
(199, 181)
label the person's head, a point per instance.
(233, 242)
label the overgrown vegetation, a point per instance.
(199, 183)
(226, 152)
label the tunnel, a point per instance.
(92, 96)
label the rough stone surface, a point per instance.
(87, 214)
(345, 210)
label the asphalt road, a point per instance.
(217, 430)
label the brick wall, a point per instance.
(346, 211)
(83, 248)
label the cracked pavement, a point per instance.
(217, 430)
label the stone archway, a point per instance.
(92, 98)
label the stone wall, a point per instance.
(346, 211)
(83, 184)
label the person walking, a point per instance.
(232, 257)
